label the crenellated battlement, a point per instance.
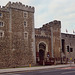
(53, 23)
(57, 22)
(19, 5)
(3, 8)
(46, 27)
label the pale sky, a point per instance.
(49, 10)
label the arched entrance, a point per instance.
(41, 54)
(42, 48)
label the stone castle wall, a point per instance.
(44, 34)
(69, 40)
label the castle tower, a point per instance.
(17, 39)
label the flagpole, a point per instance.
(66, 31)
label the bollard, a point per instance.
(29, 65)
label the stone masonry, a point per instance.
(68, 40)
(17, 45)
(21, 44)
(49, 34)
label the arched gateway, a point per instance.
(42, 49)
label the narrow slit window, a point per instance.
(25, 23)
(1, 24)
(1, 33)
(25, 35)
(0, 14)
(25, 14)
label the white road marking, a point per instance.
(10, 74)
(68, 72)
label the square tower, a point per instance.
(17, 37)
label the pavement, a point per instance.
(11, 70)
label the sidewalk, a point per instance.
(33, 68)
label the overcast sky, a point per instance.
(49, 10)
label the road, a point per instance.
(56, 71)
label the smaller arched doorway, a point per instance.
(41, 54)
(42, 48)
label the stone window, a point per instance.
(25, 14)
(1, 24)
(26, 35)
(25, 23)
(1, 33)
(0, 14)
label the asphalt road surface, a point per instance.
(57, 71)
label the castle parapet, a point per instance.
(20, 6)
(55, 23)
(52, 23)
(3, 8)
